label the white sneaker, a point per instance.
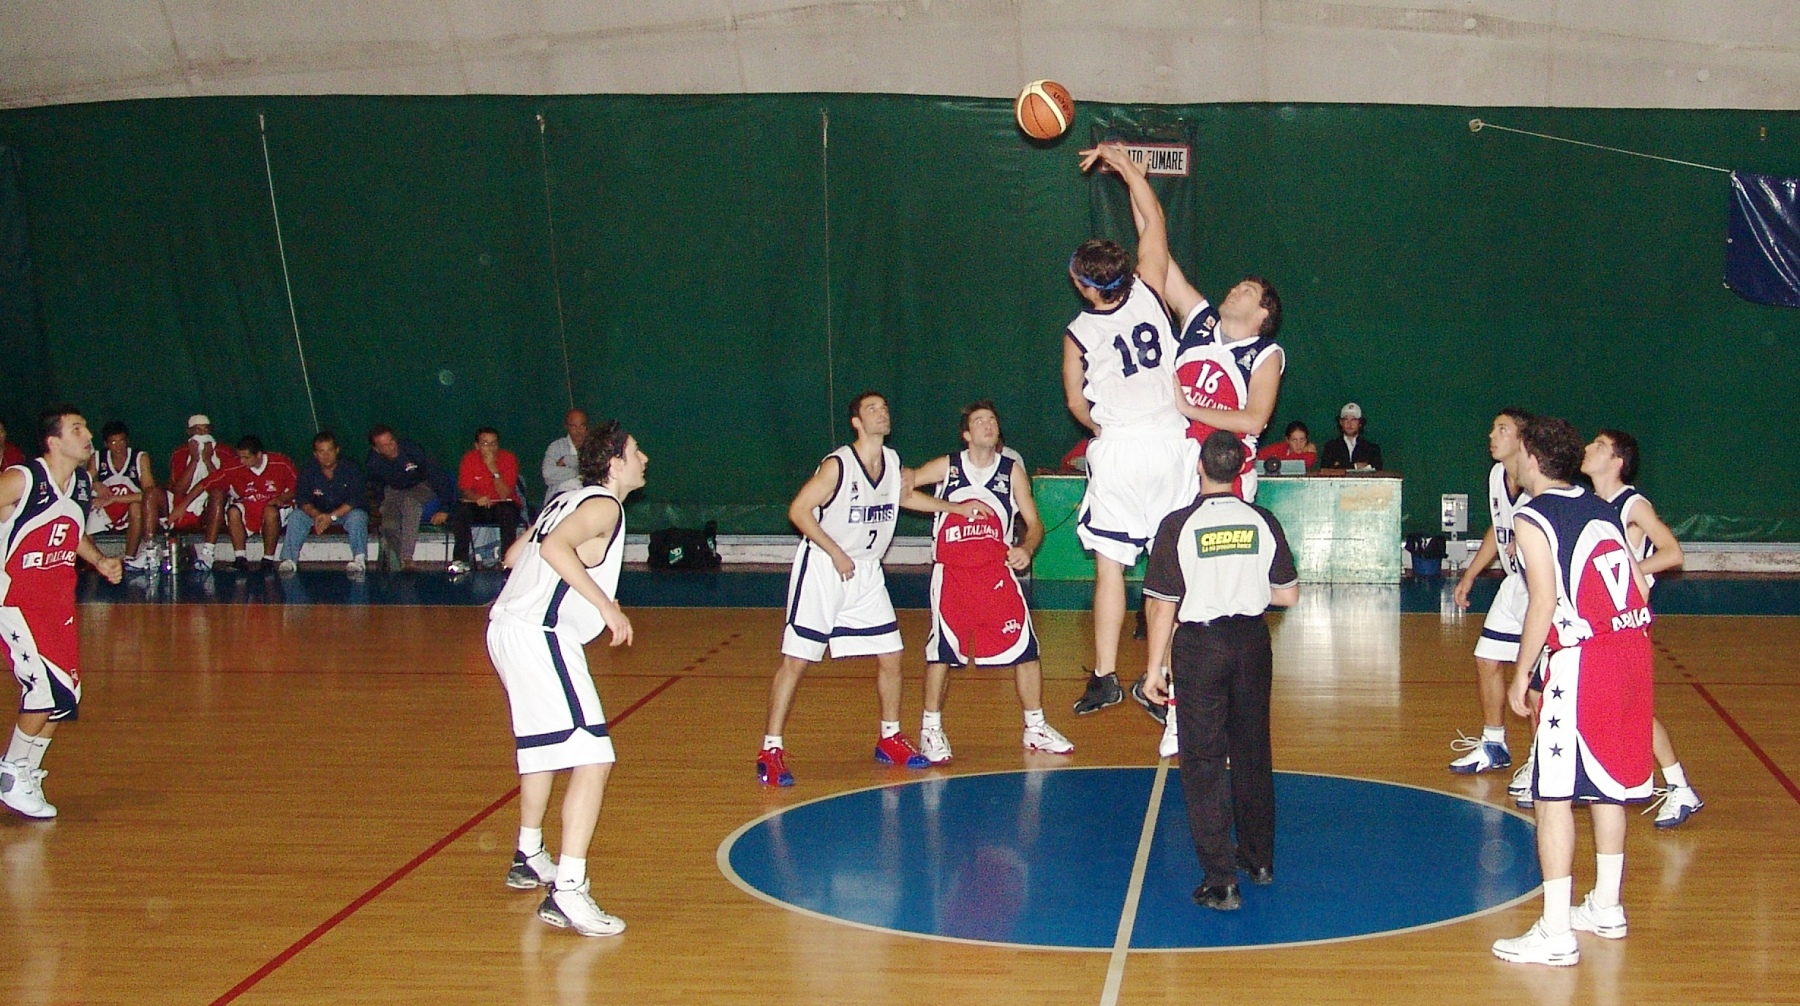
(22, 789)
(1520, 787)
(457, 567)
(1539, 947)
(572, 908)
(287, 566)
(145, 559)
(1607, 922)
(934, 745)
(530, 872)
(203, 558)
(1483, 755)
(1045, 738)
(1170, 745)
(1674, 805)
(356, 565)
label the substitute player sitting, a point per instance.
(43, 510)
(561, 595)
(257, 490)
(126, 495)
(1589, 607)
(837, 593)
(978, 612)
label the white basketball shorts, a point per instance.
(855, 616)
(1133, 483)
(1505, 620)
(556, 715)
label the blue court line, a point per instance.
(764, 589)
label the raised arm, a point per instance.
(1146, 211)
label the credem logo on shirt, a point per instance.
(1213, 541)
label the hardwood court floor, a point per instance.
(314, 805)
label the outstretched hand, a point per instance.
(1110, 156)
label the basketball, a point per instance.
(1044, 109)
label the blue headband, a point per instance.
(1102, 287)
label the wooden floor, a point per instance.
(316, 805)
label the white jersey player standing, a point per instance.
(1611, 461)
(562, 594)
(1498, 647)
(837, 592)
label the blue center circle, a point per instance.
(1044, 859)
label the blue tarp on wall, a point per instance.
(1762, 253)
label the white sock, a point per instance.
(570, 872)
(1494, 735)
(1674, 776)
(1556, 905)
(932, 720)
(27, 750)
(1610, 872)
(531, 841)
(1097, 674)
(1035, 717)
(772, 742)
(889, 728)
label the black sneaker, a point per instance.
(267, 564)
(241, 564)
(1101, 692)
(1157, 711)
(1222, 897)
(1261, 876)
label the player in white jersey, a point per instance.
(978, 611)
(837, 593)
(1611, 461)
(1228, 366)
(1118, 380)
(562, 594)
(1498, 646)
(126, 494)
(44, 507)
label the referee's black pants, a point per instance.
(1222, 673)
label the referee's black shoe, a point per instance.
(1102, 691)
(1157, 711)
(1221, 897)
(1259, 875)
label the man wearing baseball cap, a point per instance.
(1350, 450)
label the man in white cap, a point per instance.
(1350, 451)
(197, 457)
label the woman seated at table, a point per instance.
(1296, 445)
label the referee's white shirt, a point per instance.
(1219, 557)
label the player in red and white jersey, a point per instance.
(257, 490)
(125, 492)
(44, 506)
(978, 612)
(1611, 462)
(1589, 608)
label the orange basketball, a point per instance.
(1044, 109)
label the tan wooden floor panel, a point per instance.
(240, 775)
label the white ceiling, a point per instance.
(1572, 53)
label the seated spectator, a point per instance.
(125, 493)
(560, 474)
(9, 452)
(1295, 445)
(401, 476)
(329, 493)
(1350, 451)
(487, 482)
(257, 490)
(187, 506)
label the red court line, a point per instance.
(1749, 742)
(398, 875)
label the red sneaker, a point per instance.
(897, 750)
(771, 768)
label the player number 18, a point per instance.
(1148, 346)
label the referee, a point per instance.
(1216, 566)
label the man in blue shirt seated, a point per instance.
(403, 479)
(329, 494)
